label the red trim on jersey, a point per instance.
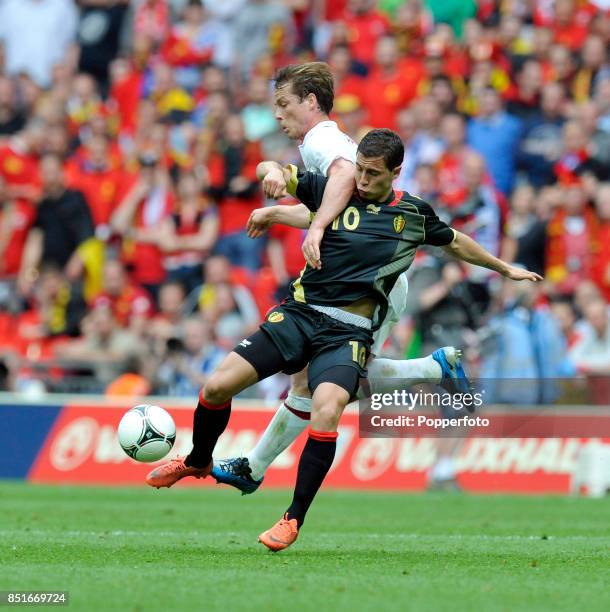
(398, 195)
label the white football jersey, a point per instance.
(324, 143)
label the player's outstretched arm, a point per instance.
(465, 248)
(337, 193)
(262, 219)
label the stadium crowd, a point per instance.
(130, 132)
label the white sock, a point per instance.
(284, 428)
(443, 469)
(387, 375)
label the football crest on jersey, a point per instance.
(275, 317)
(399, 224)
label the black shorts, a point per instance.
(304, 336)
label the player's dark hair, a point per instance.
(383, 143)
(309, 78)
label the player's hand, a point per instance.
(274, 184)
(519, 274)
(311, 247)
(259, 222)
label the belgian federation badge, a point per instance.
(399, 224)
(275, 317)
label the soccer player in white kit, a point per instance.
(303, 100)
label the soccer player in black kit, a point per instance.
(329, 319)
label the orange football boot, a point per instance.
(171, 472)
(281, 535)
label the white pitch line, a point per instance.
(225, 534)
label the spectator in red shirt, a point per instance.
(234, 186)
(571, 239)
(100, 182)
(147, 203)
(450, 166)
(190, 44)
(568, 26)
(151, 20)
(19, 162)
(391, 86)
(188, 235)
(346, 81)
(130, 304)
(16, 217)
(601, 262)
(574, 155)
(125, 90)
(364, 25)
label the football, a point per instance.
(147, 433)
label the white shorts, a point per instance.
(397, 304)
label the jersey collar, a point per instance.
(391, 200)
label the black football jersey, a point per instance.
(366, 247)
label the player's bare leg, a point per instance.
(328, 402)
(210, 419)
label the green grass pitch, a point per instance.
(185, 549)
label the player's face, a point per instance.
(374, 178)
(291, 113)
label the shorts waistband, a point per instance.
(344, 316)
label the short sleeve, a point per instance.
(324, 147)
(307, 187)
(437, 232)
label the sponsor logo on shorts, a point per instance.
(399, 224)
(275, 317)
(245, 343)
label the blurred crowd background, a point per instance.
(129, 136)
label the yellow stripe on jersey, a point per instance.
(291, 188)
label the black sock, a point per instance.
(315, 461)
(209, 421)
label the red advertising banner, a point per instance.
(82, 447)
